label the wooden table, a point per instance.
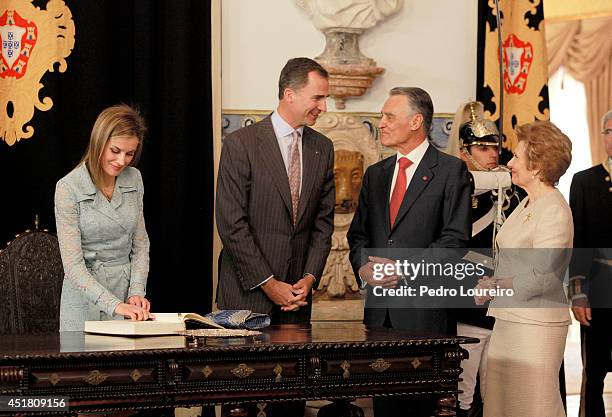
(327, 361)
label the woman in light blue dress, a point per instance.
(100, 225)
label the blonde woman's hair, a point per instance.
(117, 120)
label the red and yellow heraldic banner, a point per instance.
(33, 42)
(524, 61)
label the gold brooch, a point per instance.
(527, 218)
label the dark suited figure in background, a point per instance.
(591, 273)
(418, 198)
(275, 204)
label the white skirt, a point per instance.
(523, 370)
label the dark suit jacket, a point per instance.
(435, 213)
(254, 215)
(591, 204)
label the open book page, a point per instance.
(170, 323)
(191, 320)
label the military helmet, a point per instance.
(478, 131)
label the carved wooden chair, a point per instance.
(31, 276)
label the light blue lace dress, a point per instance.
(104, 246)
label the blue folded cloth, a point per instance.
(240, 319)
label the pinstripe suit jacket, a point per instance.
(254, 215)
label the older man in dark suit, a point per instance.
(275, 202)
(591, 273)
(418, 198)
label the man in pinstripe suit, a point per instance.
(275, 202)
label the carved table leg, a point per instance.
(446, 406)
(340, 408)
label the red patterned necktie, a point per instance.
(294, 174)
(399, 190)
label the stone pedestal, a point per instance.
(350, 72)
(342, 22)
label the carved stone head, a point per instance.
(348, 173)
(354, 151)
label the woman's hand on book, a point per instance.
(131, 311)
(139, 301)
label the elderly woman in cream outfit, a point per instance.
(528, 340)
(100, 225)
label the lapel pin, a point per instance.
(425, 178)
